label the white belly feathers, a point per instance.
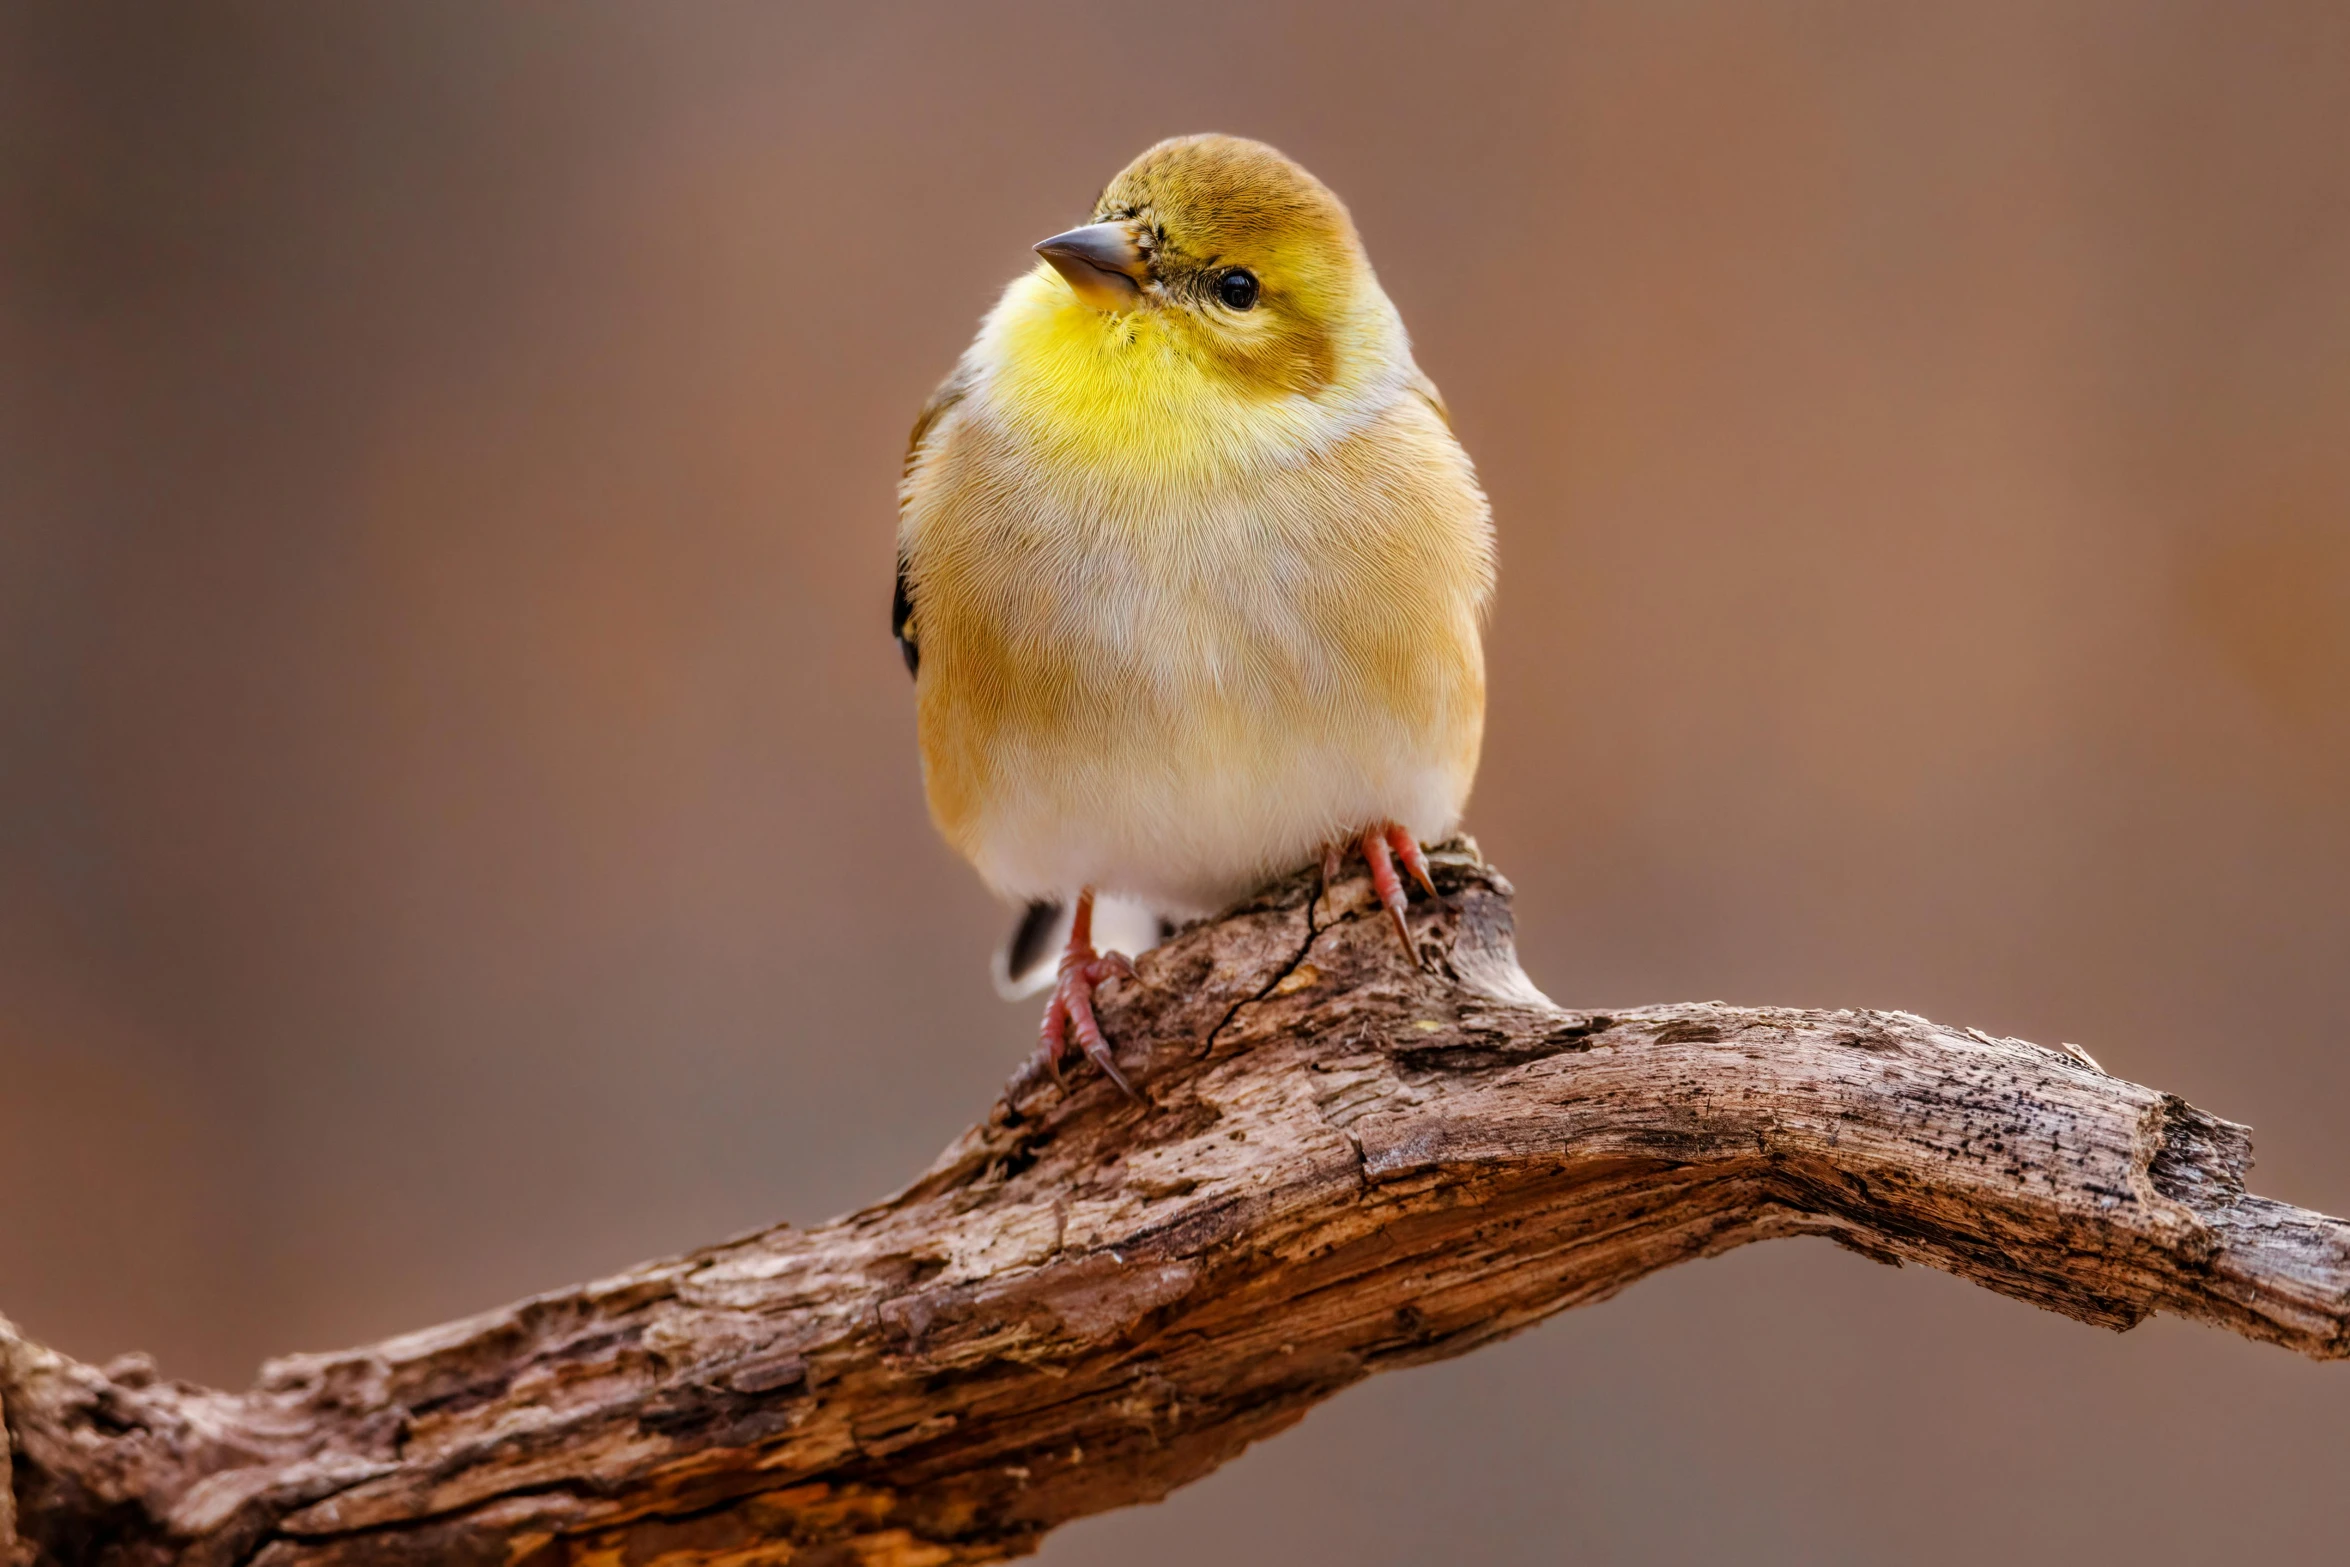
(1237, 682)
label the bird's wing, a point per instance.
(1432, 397)
(901, 620)
(950, 392)
(901, 602)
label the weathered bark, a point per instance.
(1345, 1164)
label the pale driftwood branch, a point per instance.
(1344, 1164)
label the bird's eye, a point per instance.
(1237, 288)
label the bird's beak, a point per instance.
(1101, 264)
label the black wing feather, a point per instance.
(901, 602)
(1031, 943)
(901, 621)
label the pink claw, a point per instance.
(1381, 846)
(1383, 881)
(1071, 1009)
(1407, 849)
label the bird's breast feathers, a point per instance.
(1170, 664)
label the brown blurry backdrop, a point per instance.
(459, 826)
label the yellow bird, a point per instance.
(1191, 570)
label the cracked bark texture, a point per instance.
(1344, 1163)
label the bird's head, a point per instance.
(1217, 313)
(1231, 252)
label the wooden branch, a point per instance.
(1345, 1164)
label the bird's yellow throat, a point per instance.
(1143, 396)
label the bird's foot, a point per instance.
(1381, 847)
(1069, 1024)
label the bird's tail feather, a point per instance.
(1026, 962)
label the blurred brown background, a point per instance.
(459, 827)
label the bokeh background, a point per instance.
(459, 827)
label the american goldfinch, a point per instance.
(1191, 569)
